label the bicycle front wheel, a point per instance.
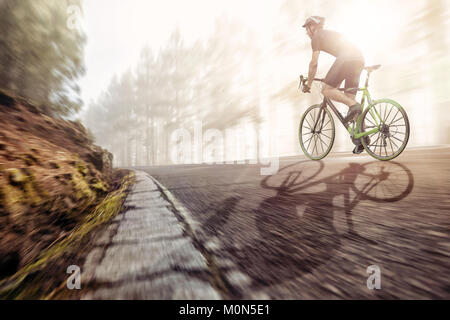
(393, 135)
(317, 132)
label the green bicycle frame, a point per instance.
(354, 130)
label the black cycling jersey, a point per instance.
(335, 44)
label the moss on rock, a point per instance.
(82, 168)
(99, 186)
(51, 176)
(16, 176)
(28, 282)
(13, 200)
(81, 187)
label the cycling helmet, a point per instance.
(314, 20)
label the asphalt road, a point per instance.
(312, 230)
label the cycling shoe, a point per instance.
(353, 113)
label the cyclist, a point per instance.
(348, 66)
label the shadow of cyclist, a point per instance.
(296, 228)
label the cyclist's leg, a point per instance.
(353, 70)
(333, 80)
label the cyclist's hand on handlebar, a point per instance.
(303, 85)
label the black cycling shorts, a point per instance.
(343, 69)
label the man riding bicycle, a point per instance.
(348, 66)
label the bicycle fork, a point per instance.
(322, 114)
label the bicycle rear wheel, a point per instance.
(316, 132)
(393, 135)
(384, 181)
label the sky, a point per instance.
(117, 30)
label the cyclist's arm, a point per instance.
(313, 67)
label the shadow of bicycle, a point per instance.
(297, 230)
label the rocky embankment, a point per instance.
(52, 177)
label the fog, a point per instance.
(241, 80)
(202, 81)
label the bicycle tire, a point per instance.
(306, 138)
(368, 122)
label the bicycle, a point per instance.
(381, 122)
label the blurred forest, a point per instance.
(173, 88)
(237, 78)
(41, 57)
(241, 81)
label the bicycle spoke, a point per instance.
(374, 143)
(326, 124)
(396, 117)
(380, 112)
(372, 123)
(395, 144)
(376, 146)
(310, 126)
(309, 140)
(326, 136)
(387, 117)
(313, 115)
(371, 136)
(315, 145)
(380, 146)
(319, 141)
(397, 139)
(396, 121)
(312, 119)
(392, 148)
(322, 143)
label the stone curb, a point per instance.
(146, 253)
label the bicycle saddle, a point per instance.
(372, 68)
